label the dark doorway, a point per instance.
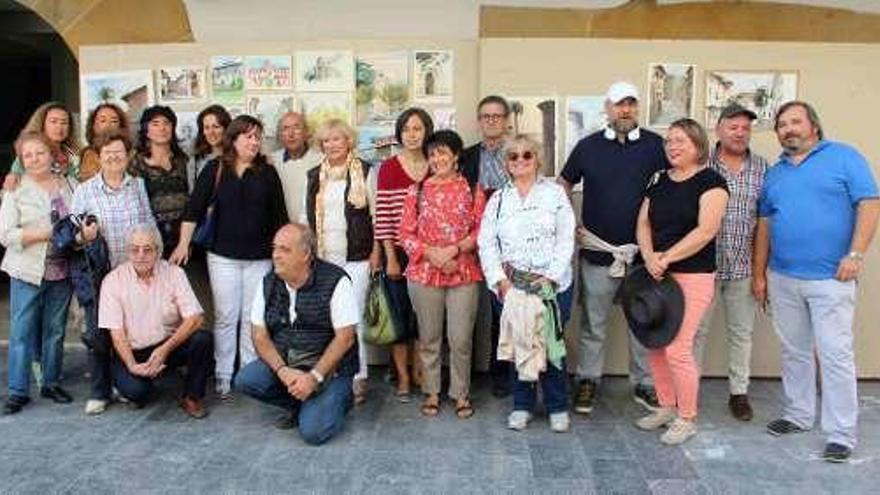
(36, 66)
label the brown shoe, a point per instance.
(739, 407)
(193, 408)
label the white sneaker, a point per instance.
(679, 432)
(657, 419)
(518, 420)
(96, 406)
(559, 422)
(223, 387)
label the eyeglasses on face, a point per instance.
(514, 156)
(492, 117)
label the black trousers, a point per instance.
(196, 353)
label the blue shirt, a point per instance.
(812, 209)
(614, 176)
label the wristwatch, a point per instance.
(317, 376)
(856, 255)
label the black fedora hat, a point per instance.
(654, 310)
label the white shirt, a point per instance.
(293, 178)
(534, 233)
(343, 310)
(335, 227)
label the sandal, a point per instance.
(360, 391)
(464, 409)
(403, 396)
(431, 407)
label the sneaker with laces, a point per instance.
(586, 395)
(740, 407)
(560, 422)
(779, 427)
(680, 430)
(518, 420)
(658, 419)
(836, 453)
(646, 396)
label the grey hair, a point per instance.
(145, 228)
(307, 242)
(812, 115)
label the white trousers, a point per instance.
(359, 272)
(233, 284)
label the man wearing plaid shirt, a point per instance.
(744, 172)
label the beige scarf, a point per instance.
(357, 191)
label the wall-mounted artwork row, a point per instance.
(761, 92)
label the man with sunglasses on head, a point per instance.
(615, 165)
(483, 163)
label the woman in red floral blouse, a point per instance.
(441, 219)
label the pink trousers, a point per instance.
(676, 375)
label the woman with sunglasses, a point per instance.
(526, 242)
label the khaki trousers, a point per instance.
(457, 307)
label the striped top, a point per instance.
(392, 185)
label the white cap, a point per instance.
(620, 91)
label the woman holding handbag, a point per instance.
(396, 175)
(239, 200)
(117, 201)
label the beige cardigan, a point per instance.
(28, 206)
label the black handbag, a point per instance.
(205, 231)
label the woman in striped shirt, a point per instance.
(396, 175)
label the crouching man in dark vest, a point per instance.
(304, 322)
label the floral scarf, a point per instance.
(357, 190)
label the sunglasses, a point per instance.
(514, 156)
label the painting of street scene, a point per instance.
(760, 92)
(181, 84)
(670, 93)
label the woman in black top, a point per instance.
(676, 231)
(162, 164)
(248, 210)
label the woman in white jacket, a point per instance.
(526, 243)
(39, 288)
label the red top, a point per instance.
(391, 188)
(447, 213)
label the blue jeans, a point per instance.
(505, 370)
(552, 382)
(36, 311)
(321, 416)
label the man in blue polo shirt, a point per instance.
(615, 164)
(817, 215)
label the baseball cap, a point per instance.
(620, 91)
(735, 109)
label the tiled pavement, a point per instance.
(388, 447)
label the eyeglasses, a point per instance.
(514, 156)
(489, 117)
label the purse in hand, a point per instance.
(206, 230)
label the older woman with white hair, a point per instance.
(337, 208)
(526, 244)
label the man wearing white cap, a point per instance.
(615, 164)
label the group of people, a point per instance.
(292, 240)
